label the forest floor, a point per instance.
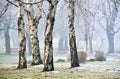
(109, 69)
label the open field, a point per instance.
(109, 69)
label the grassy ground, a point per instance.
(90, 70)
(59, 73)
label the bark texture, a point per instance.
(33, 22)
(35, 46)
(48, 48)
(22, 38)
(72, 38)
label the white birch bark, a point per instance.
(33, 22)
(48, 47)
(72, 38)
(22, 38)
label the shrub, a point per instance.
(91, 60)
(99, 56)
(82, 56)
(60, 60)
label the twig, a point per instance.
(12, 3)
(30, 3)
(101, 25)
(117, 30)
(4, 10)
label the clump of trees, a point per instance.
(30, 14)
(26, 9)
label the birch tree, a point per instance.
(72, 38)
(48, 47)
(33, 22)
(22, 38)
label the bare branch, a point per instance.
(31, 3)
(12, 3)
(66, 1)
(14, 28)
(39, 9)
(2, 29)
(101, 25)
(4, 10)
(109, 5)
(44, 12)
(117, 31)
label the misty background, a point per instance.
(90, 17)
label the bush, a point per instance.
(82, 56)
(91, 60)
(118, 51)
(99, 56)
(60, 60)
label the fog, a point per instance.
(99, 38)
(97, 32)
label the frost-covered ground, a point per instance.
(109, 69)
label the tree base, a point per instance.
(38, 63)
(75, 65)
(22, 67)
(45, 69)
(48, 68)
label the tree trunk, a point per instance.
(90, 43)
(29, 46)
(72, 38)
(22, 38)
(63, 41)
(86, 42)
(110, 28)
(35, 45)
(48, 50)
(110, 38)
(60, 45)
(65, 44)
(7, 41)
(33, 25)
